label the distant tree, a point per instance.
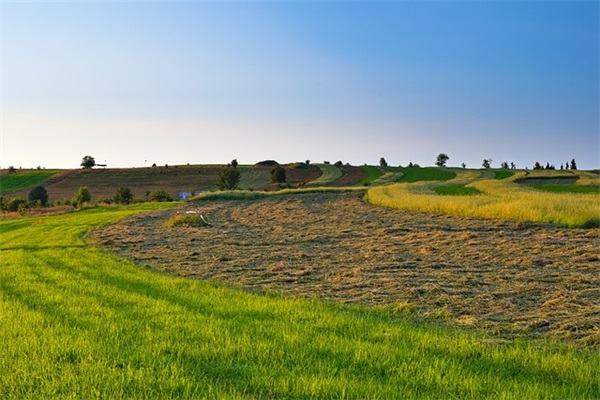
(81, 197)
(382, 162)
(339, 163)
(537, 165)
(12, 170)
(88, 162)
(567, 165)
(504, 165)
(228, 179)
(153, 165)
(326, 162)
(573, 164)
(234, 163)
(487, 163)
(441, 159)
(160, 196)
(410, 164)
(513, 165)
(547, 165)
(307, 162)
(562, 167)
(278, 175)
(463, 165)
(39, 194)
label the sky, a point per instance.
(133, 83)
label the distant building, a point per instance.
(184, 195)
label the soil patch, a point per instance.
(508, 277)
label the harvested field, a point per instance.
(511, 278)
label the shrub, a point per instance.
(228, 179)
(160, 196)
(82, 196)
(39, 194)
(14, 205)
(278, 175)
(123, 196)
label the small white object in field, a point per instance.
(205, 221)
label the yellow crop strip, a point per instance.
(503, 199)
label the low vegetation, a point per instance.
(195, 220)
(77, 321)
(456, 190)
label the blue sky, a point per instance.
(135, 83)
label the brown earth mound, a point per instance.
(503, 276)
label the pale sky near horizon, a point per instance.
(139, 82)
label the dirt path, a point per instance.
(503, 276)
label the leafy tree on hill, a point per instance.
(487, 163)
(123, 196)
(537, 165)
(278, 175)
(82, 196)
(441, 160)
(12, 170)
(88, 162)
(573, 164)
(504, 165)
(228, 179)
(382, 162)
(39, 194)
(234, 163)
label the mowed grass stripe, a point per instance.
(77, 322)
(331, 173)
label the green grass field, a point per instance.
(568, 188)
(418, 174)
(456, 190)
(23, 179)
(76, 322)
(503, 174)
(372, 174)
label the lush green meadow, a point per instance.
(76, 322)
(503, 199)
(23, 179)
